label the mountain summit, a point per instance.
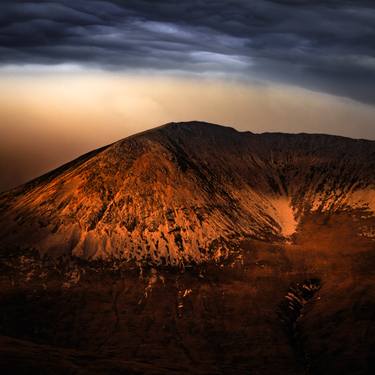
(188, 192)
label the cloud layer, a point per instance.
(327, 46)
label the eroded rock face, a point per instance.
(186, 193)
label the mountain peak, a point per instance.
(193, 124)
(189, 127)
(187, 192)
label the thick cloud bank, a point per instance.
(323, 45)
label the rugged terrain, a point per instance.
(193, 249)
(188, 192)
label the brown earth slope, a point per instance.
(302, 308)
(193, 249)
(188, 192)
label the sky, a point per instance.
(78, 74)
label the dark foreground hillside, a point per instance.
(307, 308)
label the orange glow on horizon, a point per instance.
(47, 119)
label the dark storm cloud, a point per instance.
(324, 45)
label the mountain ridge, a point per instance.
(90, 153)
(188, 192)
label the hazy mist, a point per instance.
(49, 118)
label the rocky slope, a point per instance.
(276, 233)
(301, 308)
(188, 192)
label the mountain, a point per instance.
(188, 192)
(193, 248)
